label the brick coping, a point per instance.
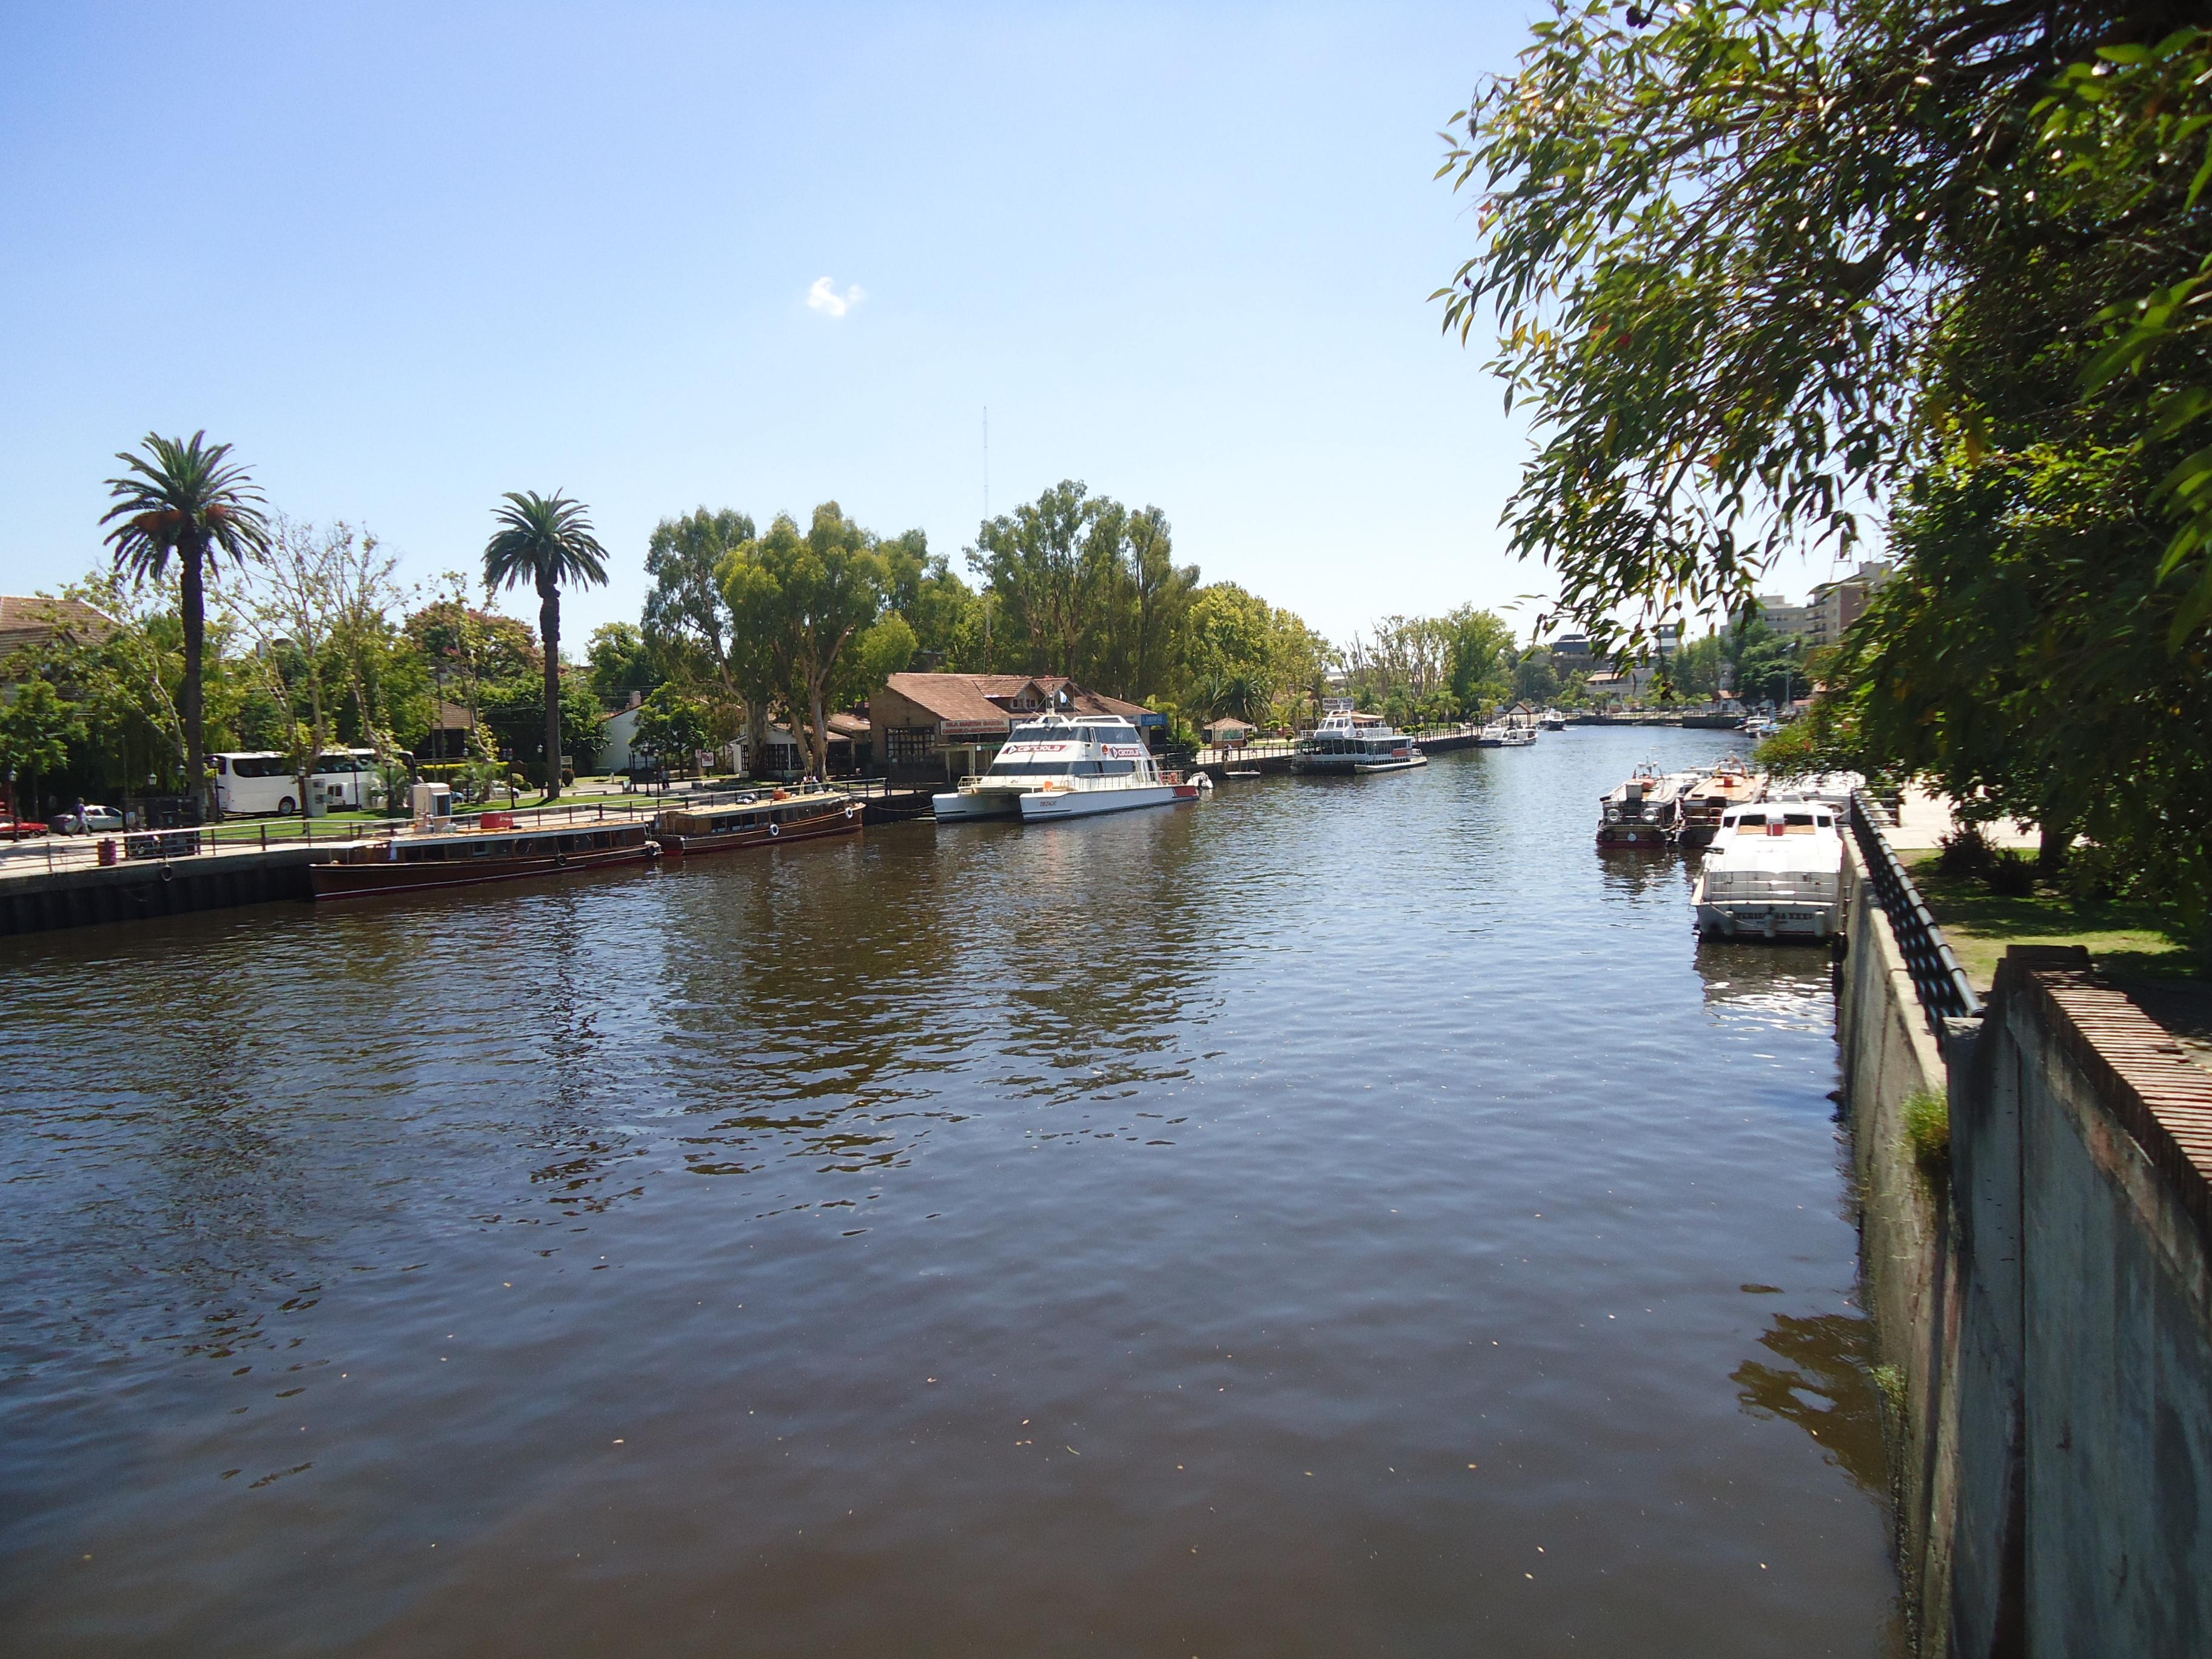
(2141, 1072)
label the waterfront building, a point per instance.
(930, 728)
(1836, 605)
(29, 625)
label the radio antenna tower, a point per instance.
(987, 462)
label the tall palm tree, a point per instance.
(185, 498)
(546, 540)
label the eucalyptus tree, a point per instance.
(545, 540)
(185, 499)
(687, 617)
(800, 597)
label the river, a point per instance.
(1338, 1217)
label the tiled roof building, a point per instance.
(927, 727)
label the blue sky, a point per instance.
(407, 258)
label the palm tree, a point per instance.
(188, 499)
(545, 540)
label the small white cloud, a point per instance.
(823, 297)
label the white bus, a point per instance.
(261, 781)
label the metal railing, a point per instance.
(1941, 983)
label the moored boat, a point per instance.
(417, 860)
(1059, 767)
(1349, 742)
(760, 819)
(1774, 870)
(1731, 783)
(1639, 812)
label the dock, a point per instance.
(54, 882)
(1272, 758)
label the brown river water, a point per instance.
(1341, 1217)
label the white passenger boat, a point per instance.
(1774, 870)
(1059, 767)
(1348, 742)
(1555, 720)
(1517, 736)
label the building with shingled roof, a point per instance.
(930, 728)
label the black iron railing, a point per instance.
(1941, 983)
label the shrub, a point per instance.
(2092, 875)
(1928, 1133)
(2010, 875)
(1966, 851)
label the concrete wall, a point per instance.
(2088, 1203)
(2049, 1309)
(1905, 1240)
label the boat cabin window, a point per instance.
(1749, 818)
(1800, 820)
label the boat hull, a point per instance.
(843, 821)
(376, 879)
(1766, 919)
(1363, 767)
(1631, 837)
(1050, 805)
(979, 804)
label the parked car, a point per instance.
(14, 828)
(95, 820)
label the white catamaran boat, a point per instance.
(1348, 742)
(1774, 870)
(1058, 767)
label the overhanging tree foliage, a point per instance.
(1764, 269)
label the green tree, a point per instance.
(673, 722)
(797, 599)
(1480, 659)
(621, 662)
(1534, 680)
(184, 499)
(36, 727)
(545, 541)
(515, 714)
(687, 622)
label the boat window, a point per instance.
(1803, 820)
(1752, 818)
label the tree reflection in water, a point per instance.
(1822, 1385)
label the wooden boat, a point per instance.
(761, 820)
(417, 860)
(1640, 812)
(1730, 784)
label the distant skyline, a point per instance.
(663, 256)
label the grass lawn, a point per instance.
(2127, 941)
(356, 823)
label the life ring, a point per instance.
(851, 807)
(775, 829)
(560, 860)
